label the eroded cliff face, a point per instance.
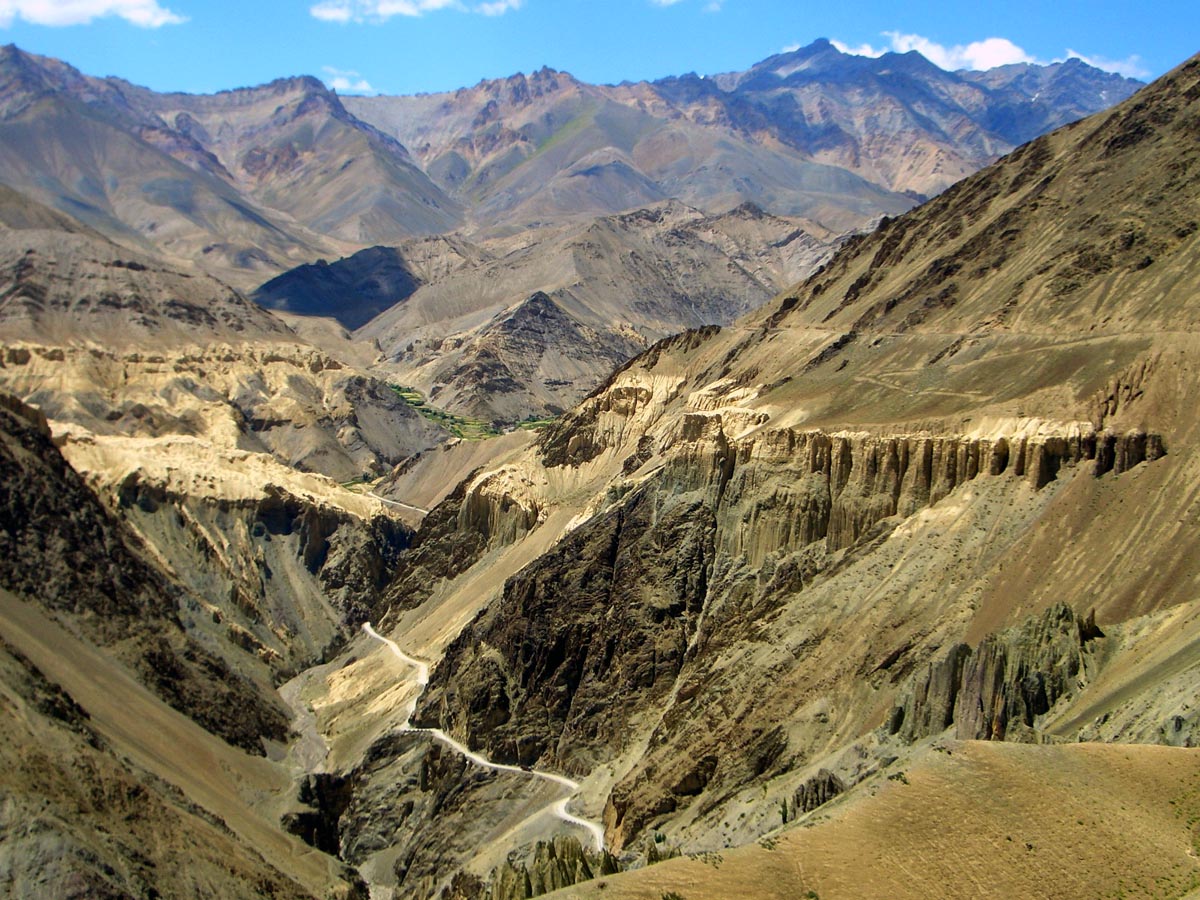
(673, 594)
(287, 577)
(298, 404)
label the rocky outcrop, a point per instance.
(999, 690)
(817, 791)
(426, 810)
(601, 626)
(556, 864)
(290, 574)
(840, 485)
(452, 537)
(614, 409)
(526, 362)
(535, 676)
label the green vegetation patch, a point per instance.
(459, 426)
(535, 424)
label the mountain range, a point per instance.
(814, 132)
(248, 181)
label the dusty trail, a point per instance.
(558, 809)
(397, 503)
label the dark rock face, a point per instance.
(818, 790)
(449, 541)
(327, 796)
(60, 547)
(587, 637)
(352, 290)
(55, 541)
(997, 691)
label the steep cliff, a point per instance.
(64, 551)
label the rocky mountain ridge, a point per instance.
(813, 132)
(249, 182)
(210, 180)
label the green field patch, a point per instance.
(459, 426)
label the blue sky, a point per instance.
(407, 46)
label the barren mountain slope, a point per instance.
(970, 819)
(81, 820)
(352, 290)
(60, 280)
(813, 132)
(240, 183)
(532, 324)
(293, 147)
(762, 563)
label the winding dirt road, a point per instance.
(558, 809)
(417, 509)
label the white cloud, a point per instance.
(143, 13)
(333, 11)
(860, 50)
(498, 7)
(382, 10)
(985, 54)
(1130, 67)
(347, 81)
(665, 2)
